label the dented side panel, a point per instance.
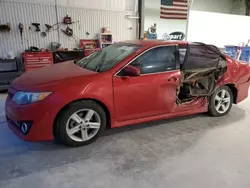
(238, 75)
(199, 103)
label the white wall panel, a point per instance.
(26, 13)
(46, 2)
(92, 21)
(227, 29)
(117, 5)
(87, 20)
(131, 5)
(95, 4)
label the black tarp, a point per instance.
(201, 56)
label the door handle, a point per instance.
(173, 79)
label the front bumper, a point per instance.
(40, 115)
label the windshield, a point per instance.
(108, 57)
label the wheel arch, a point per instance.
(105, 108)
(234, 91)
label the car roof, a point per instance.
(155, 42)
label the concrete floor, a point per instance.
(189, 152)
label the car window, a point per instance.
(156, 60)
(108, 57)
(183, 52)
(200, 56)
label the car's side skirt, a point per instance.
(159, 117)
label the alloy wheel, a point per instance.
(222, 101)
(83, 125)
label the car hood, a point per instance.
(50, 77)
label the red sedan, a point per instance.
(126, 83)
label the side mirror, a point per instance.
(131, 71)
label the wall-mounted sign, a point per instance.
(174, 36)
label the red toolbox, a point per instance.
(88, 52)
(89, 46)
(36, 60)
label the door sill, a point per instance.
(159, 117)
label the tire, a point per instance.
(75, 116)
(217, 105)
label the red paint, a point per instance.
(176, 9)
(89, 46)
(154, 86)
(174, 14)
(129, 100)
(180, 1)
(173, 18)
(36, 60)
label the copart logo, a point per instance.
(174, 36)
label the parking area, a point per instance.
(192, 152)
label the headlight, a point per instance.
(27, 97)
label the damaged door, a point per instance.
(200, 70)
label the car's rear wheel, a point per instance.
(81, 123)
(220, 103)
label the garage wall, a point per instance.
(219, 6)
(226, 29)
(163, 25)
(91, 20)
(25, 13)
(152, 15)
(121, 5)
(87, 20)
(239, 7)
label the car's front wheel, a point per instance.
(220, 103)
(80, 123)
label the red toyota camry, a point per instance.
(126, 83)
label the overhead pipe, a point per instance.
(190, 2)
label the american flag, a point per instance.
(174, 9)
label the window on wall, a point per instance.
(160, 59)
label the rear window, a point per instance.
(183, 52)
(201, 57)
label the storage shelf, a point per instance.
(107, 43)
(105, 33)
(108, 37)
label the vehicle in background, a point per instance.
(10, 69)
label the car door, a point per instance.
(154, 91)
